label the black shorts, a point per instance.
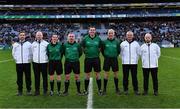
(92, 63)
(110, 63)
(55, 66)
(72, 66)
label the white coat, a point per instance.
(150, 54)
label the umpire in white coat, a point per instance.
(150, 53)
(22, 55)
(40, 62)
(129, 54)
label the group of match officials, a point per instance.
(47, 58)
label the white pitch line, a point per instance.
(90, 95)
(6, 60)
(170, 57)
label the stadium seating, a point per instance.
(169, 31)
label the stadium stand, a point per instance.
(162, 31)
(102, 16)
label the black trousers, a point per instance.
(133, 69)
(40, 68)
(26, 69)
(154, 72)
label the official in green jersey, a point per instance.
(91, 45)
(110, 51)
(54, 52)
(72, 52)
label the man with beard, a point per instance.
(150, 53)
(23, 56)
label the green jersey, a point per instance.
(72, 51)
(110, 48)
(91, 46)
(54, 51)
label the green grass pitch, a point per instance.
(169, 88)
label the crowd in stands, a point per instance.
(169, 31)
(10, 31)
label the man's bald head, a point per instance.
(148, 37)
(39, 35)
(129, 36)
